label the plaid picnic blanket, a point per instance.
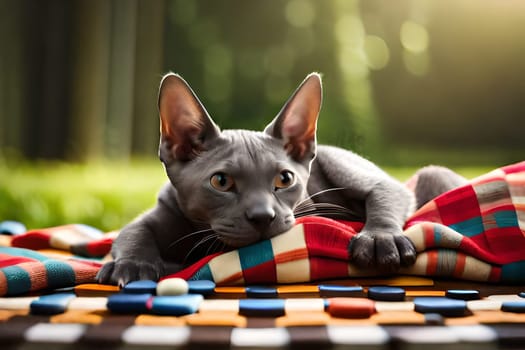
(51, 258)
(475, 232)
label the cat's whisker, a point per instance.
(202, 241)
(310, 197)
(321, 207)
(333, 215)
(325, 209)
(188, 236)
(212, 249)
(347, 215)
(306, 206)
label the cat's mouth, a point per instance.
(239, 232)
(247, 236)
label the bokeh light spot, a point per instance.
(349, 31)
(377, 52)
(300, 13)
(414, 37)
(353, 62)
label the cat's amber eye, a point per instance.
(284, 179)
(222, 182)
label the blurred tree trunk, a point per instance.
(91, 47)
(148, 70)
(118, 131)
(12, 106)
(52, 93)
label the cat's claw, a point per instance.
(386, 252)
(123, 271)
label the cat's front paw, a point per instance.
(122, 271)
(384, 251)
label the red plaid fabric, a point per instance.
(475, 232)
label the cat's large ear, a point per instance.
(296, 123)
(185, 125)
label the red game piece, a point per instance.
(351, 307)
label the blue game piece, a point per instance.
(513, 306)
(129, 303)
(261, 292)
(176, 305)
(261, 307)
(463, 294)
(440, 305)
(12, 228)
(140, 287)
(51, 304)
(331, 291)
(386, 293)
(203, 287)
(521, 294)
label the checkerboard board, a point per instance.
(304, 321)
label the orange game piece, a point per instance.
(154, 320)
(226, 319)
(351, 307)
(80, 316)
(425, 293)
(297, 291)
(230, 289)
(95, 290)
(230, 292)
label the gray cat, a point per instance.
(232, 188)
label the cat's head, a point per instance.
(244, 184)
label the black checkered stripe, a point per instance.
(120, 331)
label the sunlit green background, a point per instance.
(406, 83)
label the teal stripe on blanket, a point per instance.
(26, 253)
(513, 272)
(204, 273)
(506, 218)
(59, 274)
(469, 228)
(18, 280)
(256, 254)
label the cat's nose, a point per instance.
(260, 216)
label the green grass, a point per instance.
(104, 194)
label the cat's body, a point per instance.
(232, 188)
